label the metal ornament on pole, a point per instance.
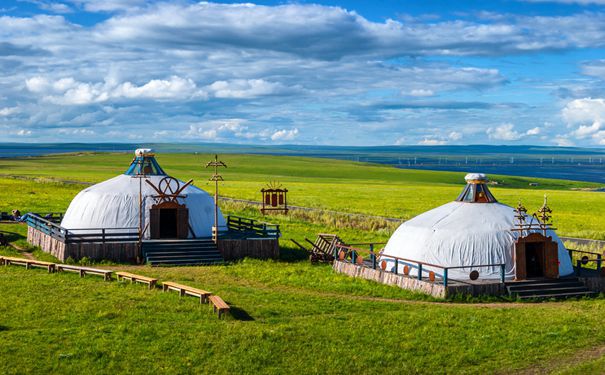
(140, 175)
(216, 178)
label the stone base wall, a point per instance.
(259, 248)
(405, 282)
(124, 252)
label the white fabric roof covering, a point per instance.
(115, 204)
(462, 234)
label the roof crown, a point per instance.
(144, 164)
(476, 190)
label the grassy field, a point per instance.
(288, 316)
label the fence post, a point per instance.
(353, 256)
(598, 262)
(502, 273)
(373, 257)
(396, 265)
(419, 271)
(445, 277)
(103, 235)
(570, 251)
(578, 267)
(335, 253)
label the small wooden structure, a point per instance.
(536, 254)
(275, 198)
(322, 250)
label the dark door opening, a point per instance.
(168, 223)
(534, 253)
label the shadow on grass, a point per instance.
(12, 236)
(240, 314)
(292, 255)
(3, 328)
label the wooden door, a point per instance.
(154, 223)
(182, 226)
(548, 255)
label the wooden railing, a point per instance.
(247, 226)
(81, 235)
(353, 253)
(586, 258)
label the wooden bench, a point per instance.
(83, 271)
(28, 263)
(137, 278)
(186, 290)
(218, 305)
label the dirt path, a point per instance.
(21, 250)
(564, 363)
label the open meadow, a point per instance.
(288, 316)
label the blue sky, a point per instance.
(324, 72)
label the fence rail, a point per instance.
(242, 224)
(587, 257)
(353, 254)
(81, 235)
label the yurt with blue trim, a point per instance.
(145, 198)
(477, 233)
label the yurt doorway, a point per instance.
(536, 256)
(169, 220)
(168, 223)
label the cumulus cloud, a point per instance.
(238, 130)
(586, 117)
(284, 135)
(432, 142)
(507, 132)
(333, 33)
(7, 111)
(245, 88)
(68, 91)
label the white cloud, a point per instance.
(68, 91)
(586, 117)
(421, 92)
(284, 135)
(23, 133)
(507, 132)
(108, 5)
(504, 132)
(455, 136)
(332, 32)
(432, 142)
(7, 111)
(244, 88)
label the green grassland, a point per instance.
(288, 316)
(321, 183)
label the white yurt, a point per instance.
(472, 230)
(119, 203)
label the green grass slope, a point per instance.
(294, 318)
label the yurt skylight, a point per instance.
(476, 190)
(144, 163)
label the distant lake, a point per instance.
(589, 173)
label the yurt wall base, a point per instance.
(113, 251)
(259, 248)
(405, 282)
(595, 284)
